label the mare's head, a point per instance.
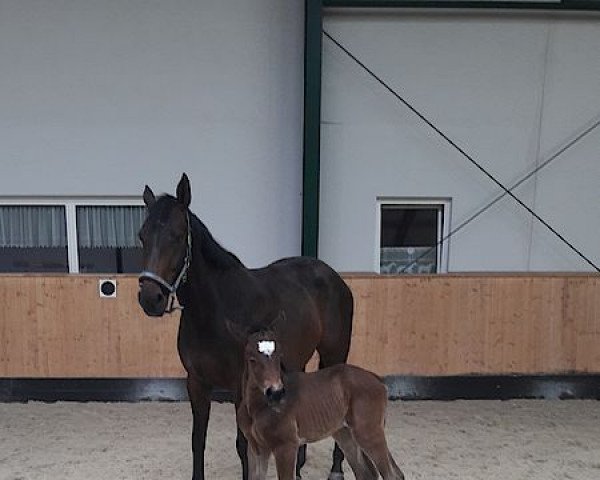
(166, 244)
(263, 365)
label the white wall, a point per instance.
(509, 88)
(102, 97)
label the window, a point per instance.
(410, 236)
(33, 238)
(107, 238)
(71, 235)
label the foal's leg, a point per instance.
(301, 458)
(375, 446)
(395, 467)
(199, 395)
(285, 461)
(361, 465)
(338, 456)
(258, 464)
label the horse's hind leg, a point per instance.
(336, 307)
(337, 473)
(335, 345)
(241, 445)
(361, 465)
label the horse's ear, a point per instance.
(184, 192)
(149, 197)
(237, 331)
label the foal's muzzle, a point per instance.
(275, 395)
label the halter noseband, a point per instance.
(181, 278)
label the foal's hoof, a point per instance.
(335, 476)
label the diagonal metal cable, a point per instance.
(483, 209)
(460, 150)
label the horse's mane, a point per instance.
(213, 253)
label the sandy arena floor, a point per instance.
(431, 440)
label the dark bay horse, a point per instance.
(278, 413)
(183, 260)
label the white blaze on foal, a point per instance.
(266, 347)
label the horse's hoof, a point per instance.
(335, 476)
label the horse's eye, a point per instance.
(176, 238)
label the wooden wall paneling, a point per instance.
(582, 312)
(360, 291)
(514, 297)
(57, 326)
(4, 333)
(401, 323)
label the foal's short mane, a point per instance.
(260, 332)
(212, 252)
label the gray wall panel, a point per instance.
(508, 88)
(99, 98)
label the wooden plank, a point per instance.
(57, 326)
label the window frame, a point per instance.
(426, 202)
(70, 205)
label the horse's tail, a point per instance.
(335, 346)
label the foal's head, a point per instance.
(263, 365)
(165, 242)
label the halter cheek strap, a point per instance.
(181, 277)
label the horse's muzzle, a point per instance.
(152, 299)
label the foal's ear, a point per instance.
(149, 197)
(237, 331)
(184, 192)
(278, 320)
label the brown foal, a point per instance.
(279, 412)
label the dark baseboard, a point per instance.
(494, 387)
(469, 387)
(97, 390)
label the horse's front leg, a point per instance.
(199, 395)
(300, 461)
(241, 444)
